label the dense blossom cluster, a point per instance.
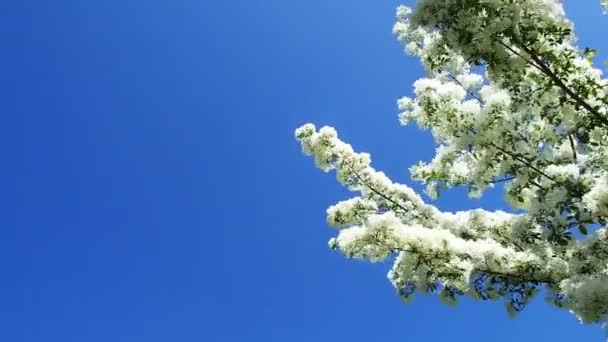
(509, 99)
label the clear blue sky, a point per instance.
(152, 190)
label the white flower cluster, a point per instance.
(511, 100)
(390, 218)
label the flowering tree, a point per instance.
(509, 99)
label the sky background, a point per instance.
(152, 189)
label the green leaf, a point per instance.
(583, 229)
(589, 53)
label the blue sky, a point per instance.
(152, 189)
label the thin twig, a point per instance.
(377, 192)
(512, 276)
(496, 181)
(573, 147)
(515, 156)
(545, 69)
(473, 95)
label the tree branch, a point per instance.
(573, 147)
(511, 276)
(517, 277)
(545, 69)
(516, 157)
(377, 192)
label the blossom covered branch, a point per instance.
(509, 99)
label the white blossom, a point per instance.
(510, 99)
(596, 200)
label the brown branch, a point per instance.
(511, 276)
(566, 89)
(506, 179)
(536, 184)
(519, 158)
(517, 277)
(473, 95)
(516, 53)
(545, 69)
(377, 192)
(573, 147)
